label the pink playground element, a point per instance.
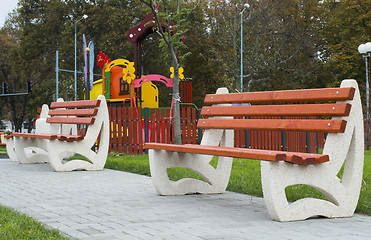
(153, 77)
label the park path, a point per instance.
(112, 204)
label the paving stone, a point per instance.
(118, 205)
(90, 231)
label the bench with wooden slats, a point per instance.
(310, 102)
(56, 138)
(336, 174)
(73, 112)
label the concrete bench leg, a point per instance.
(10, 149)
(58, 150)
(215, 179)
(30, 150)
(346, 149)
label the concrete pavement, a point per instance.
(119, 205)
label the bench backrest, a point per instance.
(74, 112)
(63, 117)
(279, 106)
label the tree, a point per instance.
(171, 11)
(16, 105)
(347, 24)
(280, 49)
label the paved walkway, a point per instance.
(118, 205)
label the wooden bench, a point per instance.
(56, 136)
(339, 114)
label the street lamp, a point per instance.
(365, 50)
(241, 72)
(83, 17)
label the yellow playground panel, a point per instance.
(149, 93)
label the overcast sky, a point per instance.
(6, 6)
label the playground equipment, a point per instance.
(122, 80)
(118, 83)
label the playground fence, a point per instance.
(292, 141)
(132, 127)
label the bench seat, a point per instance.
(248, 153)
(51, 136)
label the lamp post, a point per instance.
(83, 17)
(365, 50)
(241, 71)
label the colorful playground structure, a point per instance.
(118, 83)
(123, 81)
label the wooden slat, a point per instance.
(69, 138)
(73, 112)
(125, 129)
(267, 155)
(163, 140)
(335, 109)
(140, 131)
(188, 131)
(304, 95)
(49, 136)
(110, 129)
(194, 124)
(168, 126)
(152, 122)
(158, 122)
(130, 130)
(119, 129)
(306, 158)
(114, 129)
(183, 124)
(73, 104)
(221, 151)
(135, 130)
(71, 120)
(275, 124)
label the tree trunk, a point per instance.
(176, 100)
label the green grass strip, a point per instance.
(14, 225)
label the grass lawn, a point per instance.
(245, 177)
(2, 150)
(14, 225)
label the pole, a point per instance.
(83, 17)
(87, 84)
(56, 75)
(365, 50)
(75, 65)
(241, 71)
(367, 88)
(367, 104)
